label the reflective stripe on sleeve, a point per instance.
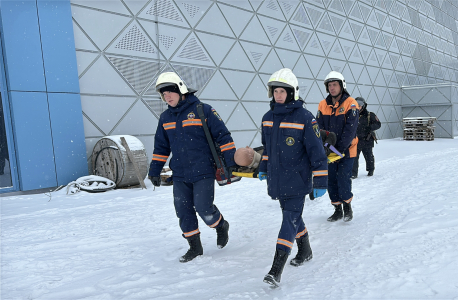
(168, 126)
(160, 157)
(265, 157)
(268, 123)
(320, 173)
(227, 146)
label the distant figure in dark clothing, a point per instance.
(368, 123)
(3, 143)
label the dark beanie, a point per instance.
(170, 88)
(289, 92)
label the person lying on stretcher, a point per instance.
(248, 160)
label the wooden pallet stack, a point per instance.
(419, 129)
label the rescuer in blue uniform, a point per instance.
(294, 163)
(339, 113)
(180, 132)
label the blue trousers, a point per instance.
(292, 225)
(190, 198)
(339, 180)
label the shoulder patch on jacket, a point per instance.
(353, 108)
(216, 114)
(316, 127)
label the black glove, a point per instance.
(156, 181)
(331, 138)
(231, 169)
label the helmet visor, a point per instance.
(360, 102)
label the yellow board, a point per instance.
(333, 157)
(241, 174)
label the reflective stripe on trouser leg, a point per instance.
(204, 195)
(339, 180)
(183, 200)
(292, 223)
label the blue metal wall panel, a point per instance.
(7, 118)
(34, 148)
(22, 46)
(58, 44)
(68, 136)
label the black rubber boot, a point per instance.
(222, 233)
(337, 215)
(348, 212)
(195, 248)
(370, 173)
(274, 276)
(304, 252)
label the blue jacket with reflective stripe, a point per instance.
(293, 151)
(180, 132)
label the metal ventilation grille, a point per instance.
(355, 13)
(192, 50)
(135, 41)
(326, 24)
(191, 9)
(157, 105)
(272, 5)
(272, 30)
(137, 72)
(286, 6)
(314, 44)
(193, 76)
(166, 40)
(315, 15)
(164, 9)
(288, 38)
(356, 29)
(301, 16)
(256, 56)
(301, 36)
(337, 22)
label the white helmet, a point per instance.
(283, 77)
(335, 76)
(171, 78)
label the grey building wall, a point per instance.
(228, 49)
(439, 101)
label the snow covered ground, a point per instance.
(125, 244)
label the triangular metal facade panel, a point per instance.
(255, 33)
(238, 81)
(240, 120)
(193, 10)
(236, 59)
(214, 22)
(238, 19)
(288, 58)
(224, 108)
(99, 26)
(216, 46)
(218, 88)
(105, 112)
(137, 114)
